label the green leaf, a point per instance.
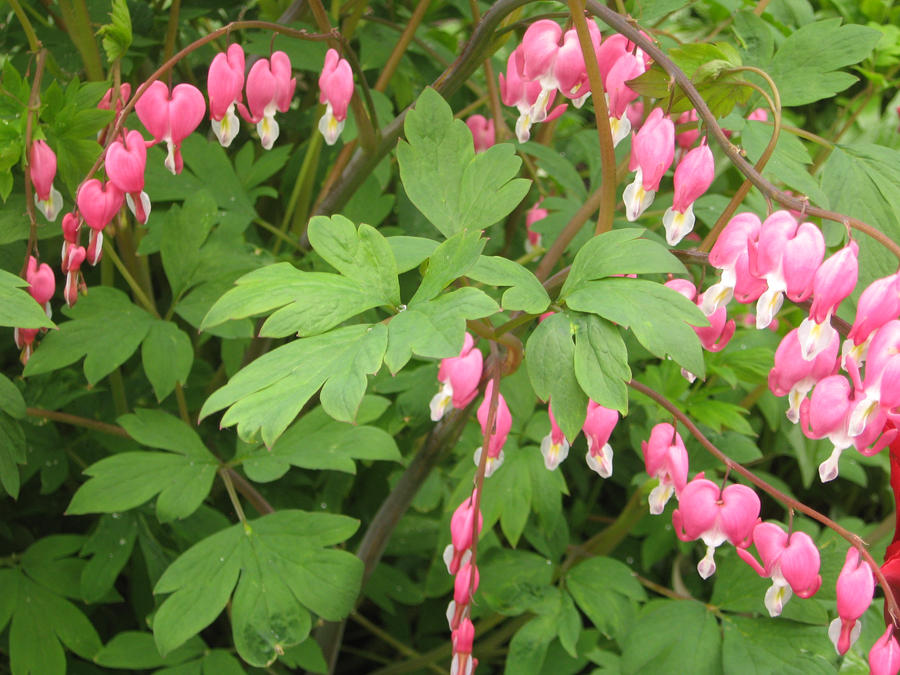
(267, 394)
(559, 167)
(527, 293)
(452, 186)
(110, 546)
(362, 255)
(410, 252)
(551, 369)
(451, 260)
(12, 453)
(137, 650)
(117, 34)
(601, 362)
(316, 441)
(17, 308)
(11, 401)
(436, 328)
(569, 625)
(619, 252)
(763, 645)
(184, 229)
(181, 477)
(606, 591)
(41, 620)
(528, 647)
(511, 582)
(657, 315)
(167, 355)
(678, 632)
(282, 573)
(513, 490)
(804, 72)
(310, 302)
(106, 328)
(721, 415)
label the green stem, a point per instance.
(232, 495)
(81, 33)
(301, 192)
(269, 227)
(387, 72)
(172, 29)
(33, 43)
(399, 645)
(109, 252)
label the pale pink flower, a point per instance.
(834, 281)
(884, 657)
(793, 376)
(554, 446)
(730, 254)
(652, 152)
(693, 176)
(42, 169)
(225, 84)
(460, 375)
(855, 589)
(270, 89)
(598, 427)
(502, 426)
(665, 458)
(335, 91)
(462, 534)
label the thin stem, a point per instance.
(232, 495)
(558, 247)
(34, 44)
(774, 103)
(81, 33)
(110, 252)
(400, 48)
(789, 502)
(601, 115)
(171, 31)
(269, 227)
(633, 33)
(399, 645)
(245, 488)
(77, 421)
(34, 102)
(302, 190)
(182, 404)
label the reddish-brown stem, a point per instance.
(34, 102)
(788, 501)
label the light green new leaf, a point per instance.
(451, 260)
(282, 573)
(110, 546)
(550, 361)
(362, 255)
(452, 186)
(167, 355)
(310, 302)
(619, 252)
(181, 477)
(106, 328)
(266, 395)
(410, 252)
(527, 293)
(601, 362)
(436, 328)
(17, 308)
(805, 72)
(117, 34)
(658, 316)
(316, 441)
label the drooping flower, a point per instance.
(225, 84)
(41, 283)
(335, 91)
(171, 118)
(693, 176)
(598, 427)
(652, 152)
(464, 587)
(794, 377)
(460, 375)
(42, 169)
(523, 94)
(569, 68)
(462, 533)
(270, 89)
(878, 304)
(834, 281)
(71, 226)
(686, 139)
(125, 164)
(98, 203)
(462, 638)
(532, 215)
(75, 257)
(791, 561)
(554, 446)
(666, 458)
(620, 95)
(884, 657)
(855, 589)
(502, 425)
(715, 516)
(827, 415)
(730, 254)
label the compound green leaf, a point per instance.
(527, 293)
(673, 631)
(658, 316)
(452, 186)
(605, 590)
(12, 453)
(137, 650)
(110, 547)
(410, 252)
(601, 362)
(167, 355)
(449, 261)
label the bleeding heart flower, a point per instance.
(171, 119)
(98, 205)
(482, 132)
(270, 89)
(554, 446)
(42, 169)
(598, 427)
(666, 458)
(460, 375)
(502, 425)
(652, 152)
(336, 90)
(855, 589)
(125, 164)
(225, 84)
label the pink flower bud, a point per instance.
(666, 458)
(534, 214)
(834, 281)
(482, 132)
(460, 375)
(598, 427)
(270, 88)
(554, 446)
(121, 100)
(792, 562)
(693, 176)
(171, 118)
(759, 115)
(76, 256)
(652, 152)
(626, 68)
(462, 534)
(336, 90)
(462, 638)
(225, 84)
(42, 170)
(855, 589)
(715, 517)
(464, 586)
(42, 282)
(884, 657)
(125, 164)
(502, 426)
(686, 139)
